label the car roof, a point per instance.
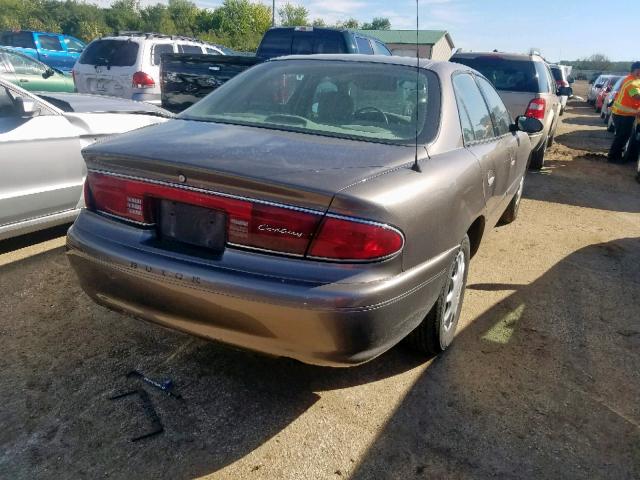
(502, 55)
(438, 66)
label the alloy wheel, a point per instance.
(456, 283)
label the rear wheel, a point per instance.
(536, 162)
(438, 328)
(511, 213)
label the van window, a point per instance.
(50, 42)
(212, 51)
(18, 39)
(183, 48)
(114, 53)
(276, 43)
(364, 46)
(158, 50)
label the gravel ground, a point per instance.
(543, 380)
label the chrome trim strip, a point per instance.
(264, 250)
(125, 219)
(207, 192)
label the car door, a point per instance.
(51, 51)
(29, 73)
(512, 142)
(481, 140)
(42, 169)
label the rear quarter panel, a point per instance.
(433, 208)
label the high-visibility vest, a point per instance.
(624, 103)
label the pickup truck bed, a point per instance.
(186, 78)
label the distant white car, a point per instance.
(608, 102)
(128, 66)
(40, 141)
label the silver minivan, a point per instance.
(527, 87)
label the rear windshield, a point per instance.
(510, 75)
(277, 43)
(113, 53)
(356, 100)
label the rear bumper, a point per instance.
(339, 323)
(152, 98)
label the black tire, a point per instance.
(437, 330)
(638, 169)
(511, 213)
(536, 161)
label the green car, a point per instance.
(31, 74)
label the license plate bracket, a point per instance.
(193, 225)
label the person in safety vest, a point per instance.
(625, 109)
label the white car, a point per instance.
(128, 66)
(40, 141)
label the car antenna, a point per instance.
(416, 165)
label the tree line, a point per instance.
(238, 24)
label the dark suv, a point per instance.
(527, 87)
(281, 41)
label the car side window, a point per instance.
(380, 48)
(158, 50)
(73, 45)
(364, 47)
(183, 48)
(19, 39)
(4, 64)
(7, 107)
(468, 97)
(212, 51)
(50, 42)
(25, 66)
(499, 113)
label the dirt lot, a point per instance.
(543, 380)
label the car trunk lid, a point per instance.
(270, 165)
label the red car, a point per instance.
(604, 91)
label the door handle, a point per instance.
(24, 80)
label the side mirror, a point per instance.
(49, 72)
(565, 91)
(26, 107)
(527, 125)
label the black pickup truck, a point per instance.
(186, 78)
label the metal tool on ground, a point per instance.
(165, 385)
(147, 406)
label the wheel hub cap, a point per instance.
(454, 291)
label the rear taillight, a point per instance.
(250, 223)
(350, 239)
(88, 200)
(143, 80)
(536, 108)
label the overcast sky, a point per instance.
(566, 29)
